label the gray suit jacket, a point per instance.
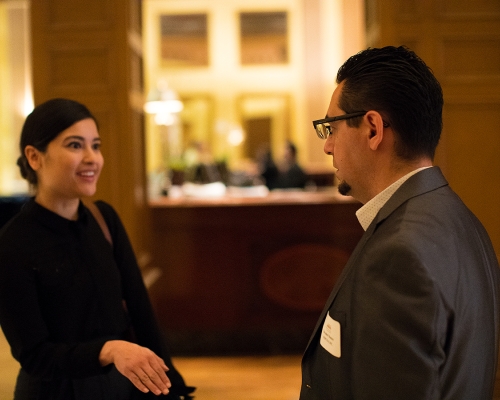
(417, 303)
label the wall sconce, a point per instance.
(164, 103)
(236, 136)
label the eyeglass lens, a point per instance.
(323, 130)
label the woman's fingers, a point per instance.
(139, 384)
(151, 381)
(140, 365)
(155, 379)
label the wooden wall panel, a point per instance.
(469, 9)
(472, 143)
(61, 15)
(93, 66)
(471, 57)
(410, 10)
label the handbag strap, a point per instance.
(100, 220)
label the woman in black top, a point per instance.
(70, 301)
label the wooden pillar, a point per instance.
(91, 51)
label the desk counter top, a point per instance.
(292, 197)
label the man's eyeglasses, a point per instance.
(323, 130)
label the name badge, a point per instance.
(330, 336)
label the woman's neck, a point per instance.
(66, 208)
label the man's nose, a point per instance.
(328, 146)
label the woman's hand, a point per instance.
(140, 365)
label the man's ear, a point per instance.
(376, 127)
(33, 156)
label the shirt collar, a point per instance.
(367, 213)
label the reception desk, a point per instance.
(247, 274)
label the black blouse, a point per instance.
(62, 286)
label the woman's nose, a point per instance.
(91, 154)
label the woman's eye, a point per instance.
(96, 146)
(74, 145)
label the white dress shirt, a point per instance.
(368, 212)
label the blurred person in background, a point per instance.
(287, 174)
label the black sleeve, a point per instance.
(143, 319)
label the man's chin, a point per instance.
(344, 188)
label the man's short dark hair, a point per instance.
(398, 84)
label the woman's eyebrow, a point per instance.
(73, 137)
(81, 138)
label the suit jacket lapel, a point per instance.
(343, 275)
(422, 182)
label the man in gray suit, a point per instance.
(414, 314)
